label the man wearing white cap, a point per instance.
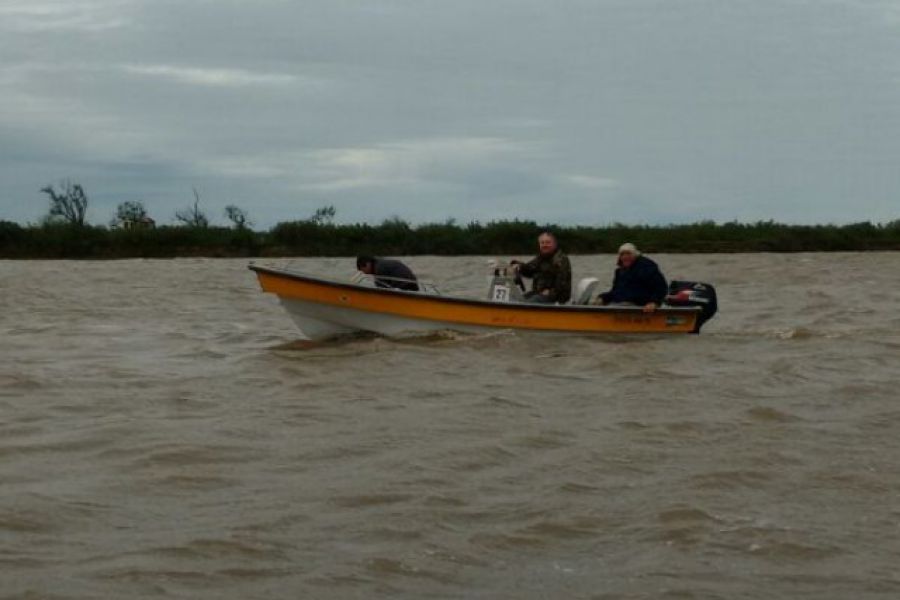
(637, 281)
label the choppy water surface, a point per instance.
(163, 434)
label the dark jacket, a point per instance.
(552, 273)
(640, 284)
(389, 273)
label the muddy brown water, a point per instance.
(163, 434)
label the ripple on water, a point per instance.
(543, 441)
(730, 479)
(444, 501)
(684, 525)
(685, 514)
(370, 500)
(578, 527)
(575, 487)
(193, 455)
(394, 568)
(481, 458)
(26, 521)
(866, 481)
(768, 414)
(47, 515)
(506, 401)
(792, 551)
(502, 541)
(220, 548)
(18, 383)
(183, 482)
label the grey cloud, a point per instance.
(578, 111)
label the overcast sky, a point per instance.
(559, 111)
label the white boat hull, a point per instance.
(319, 322)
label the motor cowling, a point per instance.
(694, 293)
(586, 291)
(504, 287)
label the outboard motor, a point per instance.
(504, 287)
(586, 291)
(694, 293)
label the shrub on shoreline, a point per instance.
(396, 237)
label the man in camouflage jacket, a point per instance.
(550, 272)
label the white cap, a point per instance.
(630, 248)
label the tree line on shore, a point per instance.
(64, 233)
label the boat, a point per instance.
(324, 309)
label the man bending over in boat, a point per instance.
(550, 272)
(388, 273)
(638, 281)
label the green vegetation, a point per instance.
(63, 233)
(312, 237)
(130, 212)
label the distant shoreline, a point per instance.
(397, 238)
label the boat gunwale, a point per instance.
(468, 301)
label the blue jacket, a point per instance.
(639, 284)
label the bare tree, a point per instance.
(69, 203)
(323, 215)
(193, 216)
(237, 216)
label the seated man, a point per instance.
(637, 281)
(550, 272)
(388, 273)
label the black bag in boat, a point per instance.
(694, 293)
